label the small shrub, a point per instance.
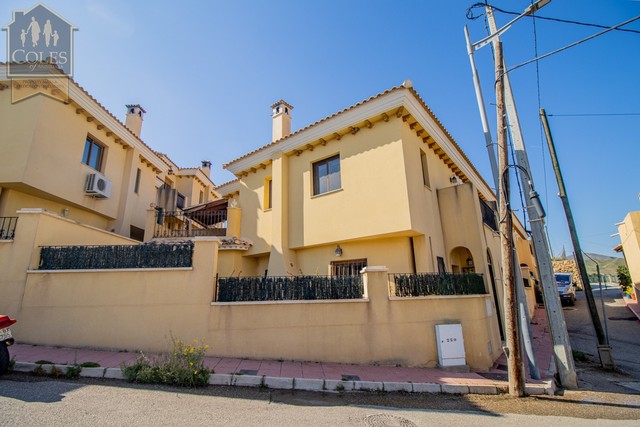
(55, 372)
(182, 367)
(579, 356)
(39, 371)
(12, 363)
(73, 371)
(90, 365)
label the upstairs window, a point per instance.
(93, 154)
(326, 175)
(425, 169)
(268, 198)
(136, 186)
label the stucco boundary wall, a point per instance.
(141, 309)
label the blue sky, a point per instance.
(207, 71)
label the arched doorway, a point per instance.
(496, 299)
(462, 261)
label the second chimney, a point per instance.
(281, 114)
(135, 114)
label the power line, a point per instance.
(573, 44)
(471, 16)
(593, 114)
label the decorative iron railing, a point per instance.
(425, 284)
(8, 227)
(488, 215)
(269, 288)
(190, 224)
(151, 255)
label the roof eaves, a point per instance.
(306, 128)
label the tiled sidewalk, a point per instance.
(310, 370)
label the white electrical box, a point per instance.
(450, 345)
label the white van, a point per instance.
(566, 288)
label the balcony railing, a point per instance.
(488, 215)
(191, 224)
(426, 284)
(270, 288)
(152, 255)
(8, 227)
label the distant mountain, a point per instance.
(608, 264)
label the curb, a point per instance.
(312, 384)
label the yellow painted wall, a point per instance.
(372, 201)
(256, 221)
(136, 310)
(629, 231)
(43, 160)
(393, 252)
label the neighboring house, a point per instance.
(629, 232)
(77, 160)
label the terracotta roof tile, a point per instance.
(393, 89)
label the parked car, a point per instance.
(566, 288)
(6, 339)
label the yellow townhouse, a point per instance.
(366, 237)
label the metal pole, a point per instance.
(483, 113)
(604, 314)
(561, 346)
(604, 350)
(525, 321)
(514, 365)
(524, 315)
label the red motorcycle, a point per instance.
(6, 339)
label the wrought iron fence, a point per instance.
(269, 288)
(152, 255)
(425, 284)
(190, 224)
(8, 227)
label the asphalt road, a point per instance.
(605, 398)
(26, 400)
(624, 338)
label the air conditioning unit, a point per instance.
(98, 186)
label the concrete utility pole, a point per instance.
(604, 349)
(516, 374)
(524, 313)
(561, 346)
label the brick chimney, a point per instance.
(281, 114)
(135, 114)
